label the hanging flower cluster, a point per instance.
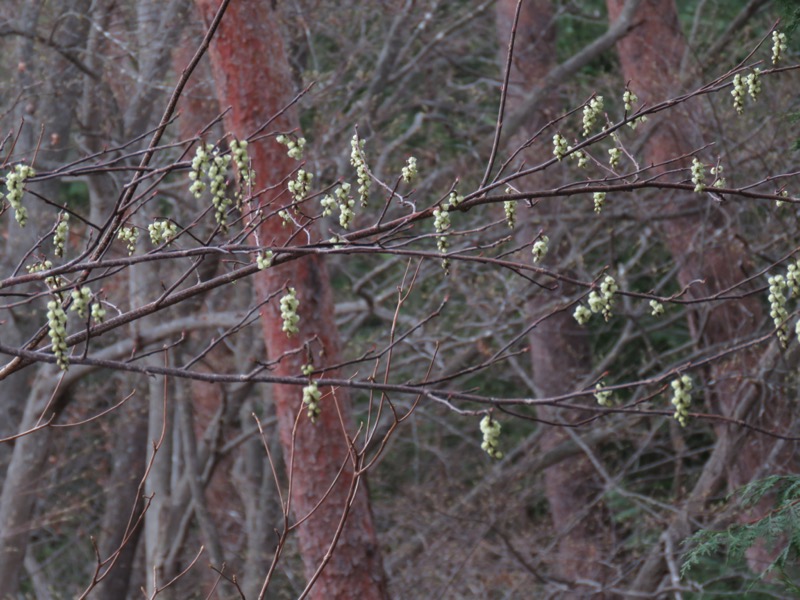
(582, 314)
(15, 184)
(98, 312)
(264, 259)
(780, 288)
(441, 222)
(311, 397)
(360, 164)
(83, 305)
(245, 174)
(580, 156)
(57, 330)
(200, 164)
(53, 282)
(750, 84)
(682, 398)
(754, 84)
(80, 301)
(129, 235)
(295, 146)
(208, 163)
(603, 302)
(793, 278)
(218, 186)
(738, 93)
(162, 232)
(454, 199)
(777, 306)
(635, 123)
(629, 99)
(60, 235)
(560, 147)
(590, 113)
(510, 208)
(409, 172)
(779, 46)
(602, 396)
(241, 158)
(328, 204)
(719, 180)
(289, 305)
(346, 204)
(490, 428)
(599, 200)
(698, 175)
(539, 249)
(300, 186)
(614, 155)
(657, 309)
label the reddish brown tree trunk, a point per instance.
(709, 252)
(253, 78)
(706, 246)
(559, 346)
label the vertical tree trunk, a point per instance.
(21, 483)
(559, 346)
(708, 249)
(26, 394)
(122, 497)
(253, 78)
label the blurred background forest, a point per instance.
(160, 463)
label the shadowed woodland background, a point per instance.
(176, 458)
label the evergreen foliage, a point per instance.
(778, 530)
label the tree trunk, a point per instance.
(122, 497)
(25, 395)
(559, 346)
(253, 78)
(21, 483)
(708, 249)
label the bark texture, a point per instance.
(703, 238)
(25, 395)
(704, 243)
(253, 79)
(128, 464)
(22, 484)
(559, 346)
